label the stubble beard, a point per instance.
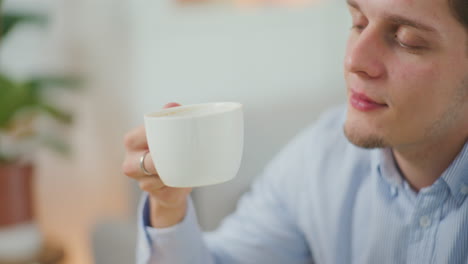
(453, 114)
(355, 136)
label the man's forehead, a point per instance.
(422, 14)
(407, 4)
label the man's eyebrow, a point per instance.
(352, 3)
(399, 20)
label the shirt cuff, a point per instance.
(189, 218)
(168, 242)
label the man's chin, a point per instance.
(362, 140)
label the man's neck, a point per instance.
(421, 165)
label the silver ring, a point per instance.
(142, 164)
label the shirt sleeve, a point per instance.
(181, 243)
(263, 229)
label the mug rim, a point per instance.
(235, 106)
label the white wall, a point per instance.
(283, 64)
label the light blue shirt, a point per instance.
(323, 200)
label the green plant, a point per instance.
(22, 102)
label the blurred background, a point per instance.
(282, 59)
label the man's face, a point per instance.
(406, 70)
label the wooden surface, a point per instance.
(49, 255)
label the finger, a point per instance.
(170, 197)
(136, 139)
(150, 184)
(149, 164)
(131, 165)
(172, 104)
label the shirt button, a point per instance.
(424, 221)
(393, 191)
(464, 189)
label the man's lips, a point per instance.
(362, 102)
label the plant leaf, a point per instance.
(40, 82)
(1, 19)
(13, 98)
(56, 113)
(54, 144)
(3, 159)
(10, 20)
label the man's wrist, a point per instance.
(162, 217)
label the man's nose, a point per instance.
(365, 54)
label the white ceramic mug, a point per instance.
(196, 145)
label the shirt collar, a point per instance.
(455, 176)
(386, 166)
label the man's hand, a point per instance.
(168, 205)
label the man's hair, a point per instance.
(460, 10)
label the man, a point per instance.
(383, 181)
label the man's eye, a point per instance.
(357, 27)
(407, 45)
(409, 41)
